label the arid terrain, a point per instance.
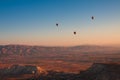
(70, 60)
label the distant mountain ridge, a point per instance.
(24, 49)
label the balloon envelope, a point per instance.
(74, 33)
(92, 17)
(56, 24)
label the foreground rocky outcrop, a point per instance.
(17, 70)
(102, 71)
(98, 71)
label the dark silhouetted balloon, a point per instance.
(92, 17)
(56, 24)
(74, 33)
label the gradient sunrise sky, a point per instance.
(33, 22)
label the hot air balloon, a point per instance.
(74, 33)
(92, 17)
(56, 24)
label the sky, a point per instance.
(33, 22)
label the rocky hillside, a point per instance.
(102, 71)
(98, 71)
(17, 70)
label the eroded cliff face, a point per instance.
(18, 70)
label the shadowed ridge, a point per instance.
(98, 71)
(102, 71)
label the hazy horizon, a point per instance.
(114, 45)
(33, 22)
